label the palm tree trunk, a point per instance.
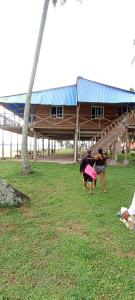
(26, 168)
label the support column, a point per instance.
(54, 146)
(30, 144)
(17, 145)
(4, 113)
(79, 144)
(48, 146)
(38, 145)
(43, 146)
(75, 146)
(2, 144)
(114, 157)
(35, 146)
(126, 147)
(76, 135)
(115, 153)
(14, 118)
(11, 145)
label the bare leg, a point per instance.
(102, 177)
(85, 184)
(91, 186)
(95, 183)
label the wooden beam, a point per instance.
(48, 146)
(35, 146)
(43, 146)
(76, 134)
(11, 145)
(126, 147)
(2, 144)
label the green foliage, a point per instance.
(131, 89)
(130, 157)
(66, 244)
(61, 1)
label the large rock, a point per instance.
(9, 196)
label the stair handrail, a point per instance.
(117, 121)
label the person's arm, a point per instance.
(82, 164)
(131, 209)
(93, 161)
(105, 161)
(125, 215)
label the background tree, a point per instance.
(61, 143)
(131, 89)
(26, 168)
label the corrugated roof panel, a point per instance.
(13, 99)
(17, 108)
(57, 96)
(90, 91)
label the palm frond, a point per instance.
(61, 1)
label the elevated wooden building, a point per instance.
(87, 110)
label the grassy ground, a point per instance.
(67, 244)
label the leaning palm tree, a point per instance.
(26, 168)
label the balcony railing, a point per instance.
(9, 119)
(67, 121)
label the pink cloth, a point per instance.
(90, 171)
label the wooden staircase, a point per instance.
(111, 133)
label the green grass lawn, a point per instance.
(67, 244)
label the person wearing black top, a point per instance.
(87, 160)
(100, 165)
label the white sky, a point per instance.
(93, 40)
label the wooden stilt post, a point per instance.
(10, 144)
(35, 146)
(48, 146)
(54, 146)
(30, 144)
(126, 147)
(17, 145)
(43, 146)
(2, 144)
(76, 135)
(114, 152)
(75, 146)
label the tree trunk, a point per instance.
(26, 168)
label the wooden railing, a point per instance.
(69, 120)
(106, 137)
(9, 119)
(47, 120)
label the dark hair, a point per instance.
(88, 153)
(100, 151)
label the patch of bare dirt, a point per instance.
(26, 211)
(73, 229)
(102, 297)
(7, 227)
(106, 236)
(108, 239)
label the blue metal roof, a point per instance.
(84, 91)
(57, 96)
(90, 91)
(18, 108)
